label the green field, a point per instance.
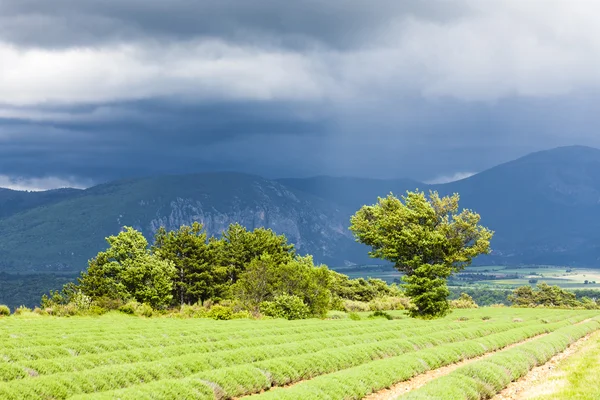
(495, 276)
(123, 357)
(511, 277)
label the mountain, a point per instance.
(64, 235)
(544, 207)
(351, 192)
(16, 201)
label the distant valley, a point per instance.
(545, 209)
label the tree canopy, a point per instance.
(425, 237)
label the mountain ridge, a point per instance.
(544, 207)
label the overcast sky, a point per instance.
(435, 90)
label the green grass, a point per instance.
(577, 375)
(117, 356)
(484, 378)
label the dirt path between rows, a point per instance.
(404, 387)
(537, 382)
(420, 380)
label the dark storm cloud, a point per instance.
(102, 89)
(339, 24)
(147, 137)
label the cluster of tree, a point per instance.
(549, 296)
(425, 237)
(258, 270)
(482, 296)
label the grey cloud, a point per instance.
(346, 24)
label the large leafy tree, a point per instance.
(128, 270)
(425, 237)
(239, 246)
(198, 277)
(264, 279)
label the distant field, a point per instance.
(498, 276)
(123, 357)
(511, 277)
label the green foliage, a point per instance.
(220, 312)
(354, 316)
(22, 310)
(361, 289)
(264, 279)
(238, 247)
(128, 270)
(285, 306)
(548, 296)
(464, 301)
(382, 314)
(427, 238)
(4, 310)
(482, 296)
(199, 276)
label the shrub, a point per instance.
(220, 312)
(486, 317)
(22, 310)
(354, 316)
(464, 301)
(241, 315)
(4, 310)
(108, 303)
(285, 306)
(129, 307)
(96, 310)
(389, 303)
(144, 310)
(356, 306)
(379, 313)
(337, 315)
(193, 311)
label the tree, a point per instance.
(199, 277)
(238, 247)
(427, 238)
(264, 279)
(127, 270)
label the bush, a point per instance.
(285, 306)
(356, 306)
(108, 303)
(464, 301)
(337, 315)
(242, 315)
(220, 312)
(354, 316)
(22, 310)
(129, 307)
(4, 310)
(193, 311)
(144, 310)
(383, 314)
(389, 303)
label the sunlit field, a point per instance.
(117, 356)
